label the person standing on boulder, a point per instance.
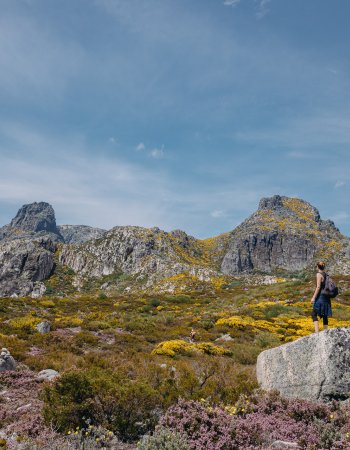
(321, 302)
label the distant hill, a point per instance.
(284, 236)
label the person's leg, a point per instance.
(325, 322)
(315, 321)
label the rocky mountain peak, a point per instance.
(35, 217)
(300, 209)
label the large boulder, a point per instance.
(315, 367)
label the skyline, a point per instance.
(177, 114)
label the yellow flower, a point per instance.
(69, 432)
(97, 439)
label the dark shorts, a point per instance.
(323, 308)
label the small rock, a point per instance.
(104, 285)
(284, 444)
(38, 290)
(6, 361)
(224, 338)
(43, 327)
(24, 407)
(47, 375)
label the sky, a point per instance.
(180, 114)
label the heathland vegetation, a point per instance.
(128, 367)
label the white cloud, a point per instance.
(157, 153)
(231, 2)
(140, 147)
(339, 184)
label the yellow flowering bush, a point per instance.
(27, 323)
(180, 347)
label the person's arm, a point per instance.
(319, 278)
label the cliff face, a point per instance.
(283, 234)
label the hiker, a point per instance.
(193, 335)
(321, 302)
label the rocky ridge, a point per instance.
(284, 235)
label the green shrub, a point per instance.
(163, 439)
(155, 302)
(69, 401)
(129, 408)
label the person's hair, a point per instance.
(321, 265)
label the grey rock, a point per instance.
(47, 375)
(32, 220)
(315, 367)
(283, 234)
(39, 290)
(224, 338)
(35, 217)
(77, 234)
(7, 362)
(284, 444)
(23, 262)
(43, 327)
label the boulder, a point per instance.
(47, 375)
(315, 367)
(6, 361)
(43, 327)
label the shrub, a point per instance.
(155, 302)
(163, 439)
(180, 347)
(129, 408)
(70, 401)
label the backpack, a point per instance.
(330, 288)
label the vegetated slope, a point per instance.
(285, 234)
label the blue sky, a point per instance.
(174, 113)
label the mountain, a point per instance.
(285, 235)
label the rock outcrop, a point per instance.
(284, 234)
(31, 220)
(77, 234)
(133, 250)
(315, 367)
(23, 262)
(6, 361)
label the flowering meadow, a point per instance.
(154, 371)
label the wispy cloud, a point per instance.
(262, 8)
(231, 2)
(157, 153)
(339, 184)
(140, 147)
